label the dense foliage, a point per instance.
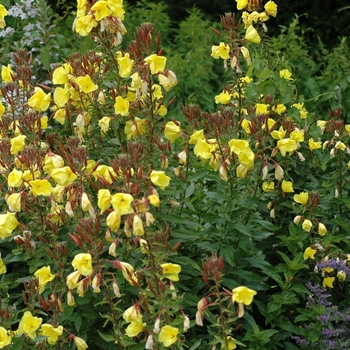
(154, 195)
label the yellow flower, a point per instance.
(231, 344)
(121, 106)
(73, 280)
(271, 8)
(60, 75)
(17, 144)
(196, 136)
(125, 64)
(172, 131)
(121, 203)
(302, 198)
(80, 343)
(168, 335)
(134, 128)
(204, 149)
(241, 171)
(221, 51)
(246, 125)
(314, 145)
(103, 123)
(243, 295)
(8, 223)
(341, 276)
(303, 112)
(268, 186)
(85, 84)
(171, 271)
(134, 328)
(117, 8)
(7, 73)
(279, 109)
(14, 178)
(113, 221)
(137, 226)
(63, 176)
(156, 63)
(5, 337)
(44, 276)
(286, 74)
(278, 135)
(128, 273)
(61, 96)
(241, 4)
(307, 225)
(154, 200)
(29, 325)
(238, 146)
(309, 253)
(322, 229)
(340, 145)
(223, 98)
(84, 25)
(287, 145)
(2, 268)
(297, 135)
(322, 125)
(83, 263)
(287, 186)
(159, 178)
(132, 314)
(261, 109)
(252, 35)
(2, 109)
(103, 199)
(51, 333)
(85, 202)
(100, 10)
(41, 188)
(328, 282)
(40, 101)
(60, 116)
(167, 81)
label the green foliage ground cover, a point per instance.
(172, 190)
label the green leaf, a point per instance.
(189, 190)
(265, 74)
(106, 337)
(45, 57)
(196, 345)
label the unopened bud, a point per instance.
(279, 173)
(156, 328)
(186, 324)
(301, 157)
(199, 318)
(240, 310)
(272, 213)
(297, 219)
(223, 173)
(149, 342)
(336, 193)
(265, 172)
(112, 249)
(116, 290)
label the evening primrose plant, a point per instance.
(122, 226)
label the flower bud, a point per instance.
(297, 219)
(116, 290)
(186, 324)
(265, 172)
(279, 173)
